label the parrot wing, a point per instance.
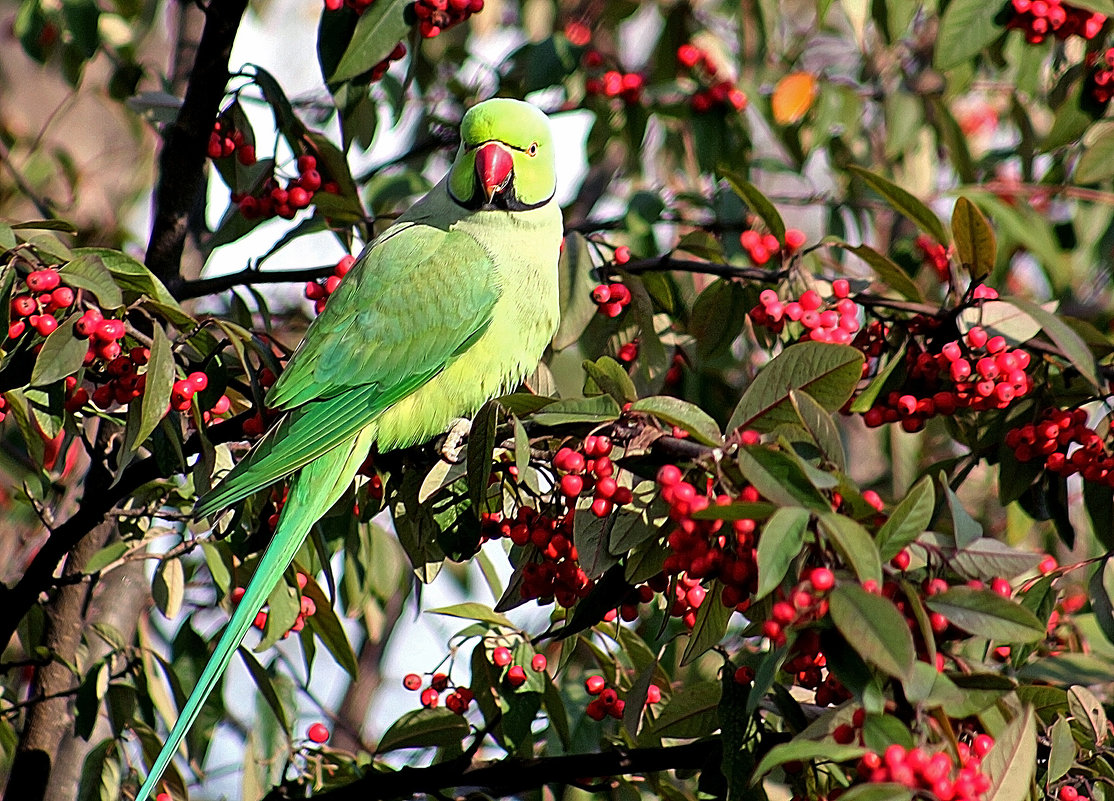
(414, 302)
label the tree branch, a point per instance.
(516, 774)
(249, 276)
(182, 161)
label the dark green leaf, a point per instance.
(820, 426)
(481, 442)
(382, 26)
(153, 403)
(169, 586)
(974, 239)
(574, 285)
(829, 373)
(872, 626)
(780, 543)
(691, 712)
(966, 28)
(965, 528)
(854, 544)
(325, 624)
(806, 751)
(987, 614)
(87, 271)
(473, 611)
(61, 356)
(911, 517)
(779, 478)
(1061, 754)
(682, 414)
(100, 773)
(611, 378)
(904, 203)
(710, 626)
(424, 728)
(757, 202)
(599, 409)
(266, 686)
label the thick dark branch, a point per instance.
(516, 774)
(248, 277)
(182, 161)
(100, 497)
(668, 263)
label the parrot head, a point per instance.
(505, 159)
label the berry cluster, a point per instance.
(558, 576)
(613, 83)
(307, 607)
(934, 255)
(515, 675)
(606, 701)
(225, 141)
(822, 322)
(706, 549)
(1039, 19)
(804, 603)
(435, 16)
(458, 699)
(591, 470)
(255, 426)
(977, 372)
(808, 666)
(611, 299)
(1100, 81)
(319, 291)
(1066, 444)
(124, 384)
(45, 295)
(717, 92)
(932, 773)
(762, 247)
(284, 201)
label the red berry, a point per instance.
(571, 485)
(246, 155)
(821, 579)
(794, 239)
(429, 698)
(318, 733)
(501, 656)
(306, 163)
(43, 280)
(45, 324)
(595, 684)
(537, 664)
(439, 682)
(516, 676)
(622, 253)
(412, 681)
(198, 381)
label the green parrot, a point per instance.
(451, 306)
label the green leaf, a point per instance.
(872, 626)
(780, 543)
(829, 373)
(599, 409)
(168, 586)
(757, 202)
(266, 687)
(382, 26)
(779, 478)
(820, 426)
(100, 773)
(682, 414)
(911, 517)
(854, 544)
(1061, 754)
(966, 28)
(1012, 763)
(62, 355)
(473, 611)
(987, 559)
(710, 626)
(424, 728)
(883, 791)
(1070, 343)
(691, 712)
(1088, 712)
(1101, 591)
(999, 317)
(131, 275)
(806, 751)
(1097, 162)
(327, 627)
(987, 614)
(7, 237)
(974, 239)
(106, 556)
(611, 378)
(153, 403)
(481, 442)
(891, 275)
(904, 203)
(87, 271)
(965, 528)
(718, 317)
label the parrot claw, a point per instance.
(452, 441)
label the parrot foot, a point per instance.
(452, 441)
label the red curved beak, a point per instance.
(494, 165)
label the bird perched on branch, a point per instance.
(448, 308)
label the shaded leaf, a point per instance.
(904, 203)
(854, 544)
(424, 728)
(710, 626)
(62, 355)
(758, 202)
(975, 242)
(380, 28)
(987, 614)
(266, 686)
(169, 586)
(872, 626)
(806, 751)
(911, 517)
(682, 414)
(780, 543)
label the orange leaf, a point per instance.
(793, 97)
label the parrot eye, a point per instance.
(533, 149)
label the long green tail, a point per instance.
(315, 488)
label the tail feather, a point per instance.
(314, 489)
